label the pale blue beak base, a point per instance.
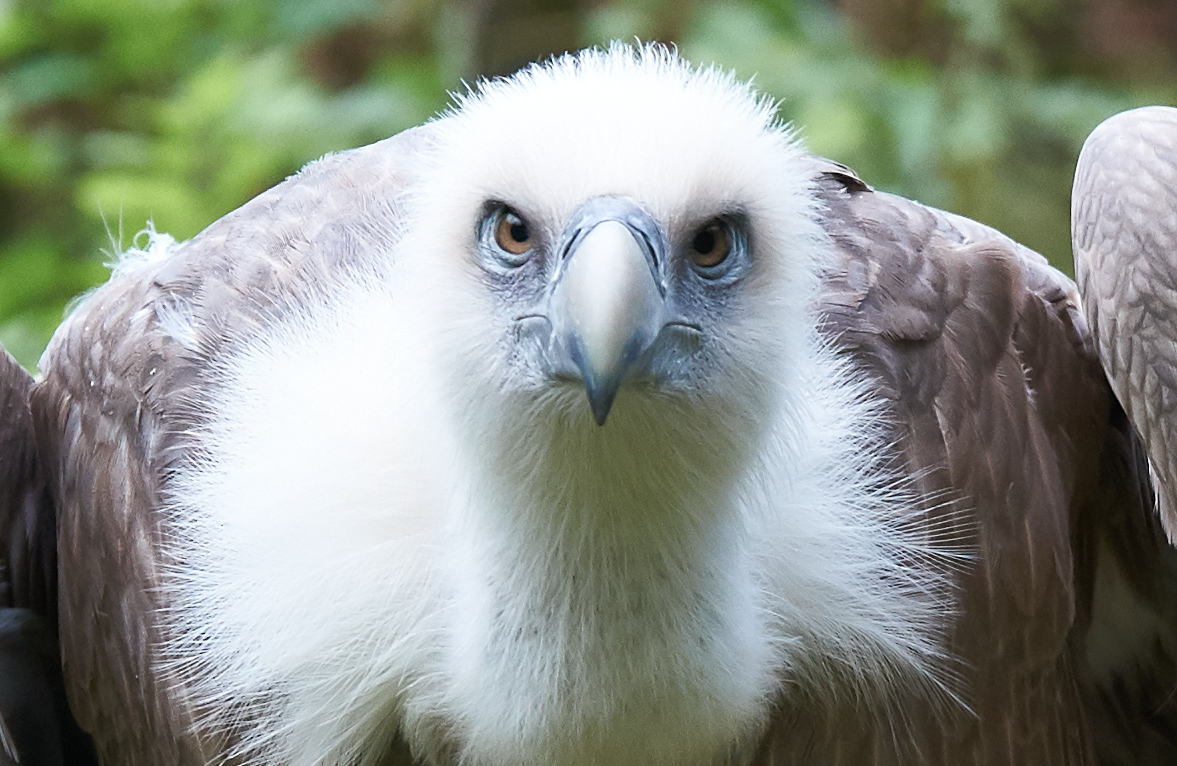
(607, 304)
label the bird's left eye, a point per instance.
(711, 245)
(512, 233)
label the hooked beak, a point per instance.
(608, 300)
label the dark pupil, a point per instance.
(704, 241)
(519, 231)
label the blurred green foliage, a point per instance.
(177, 111)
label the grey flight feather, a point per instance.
(1124, 227)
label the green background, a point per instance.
(117, 112)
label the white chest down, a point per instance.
(504, 607)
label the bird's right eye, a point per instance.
(512, 233)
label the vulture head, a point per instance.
(624, 227)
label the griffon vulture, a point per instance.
(597, 422)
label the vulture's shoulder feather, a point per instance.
(998, 406)
(119, 405)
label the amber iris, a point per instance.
(512, 234)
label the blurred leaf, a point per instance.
(52, 77)
(28, 264)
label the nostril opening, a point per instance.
(649, 248)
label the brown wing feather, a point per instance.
(998, 403)
(114, 414)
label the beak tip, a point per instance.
(601, 400)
